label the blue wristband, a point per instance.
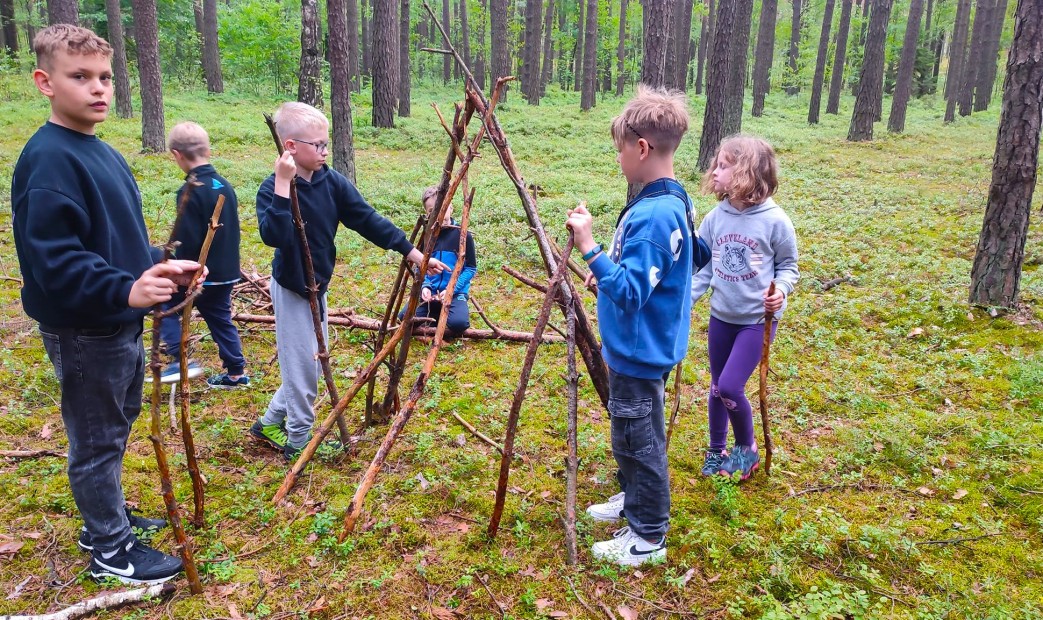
(594, 251)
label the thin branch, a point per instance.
(31, 454)
(474, 431)
(955, 541)
(108, 601)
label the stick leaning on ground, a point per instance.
(769, 446)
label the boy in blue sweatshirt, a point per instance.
(327, 200)
(643, 317)
(189, 145)
(89, 278)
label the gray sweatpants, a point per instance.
(298, 364)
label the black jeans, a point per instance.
(639, 446)
(101, 373)
(215, 306)
(459, 314)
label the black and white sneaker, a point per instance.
(610, 511)
(141, 526)
(134, 563)
(628, 549)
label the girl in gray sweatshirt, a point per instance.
(753, 243)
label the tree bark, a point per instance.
(447, 61)
(871, 81)
(146, 29)
(670, 63)
(530, 70)
(716, 84)
(547, 66)
(385, 42)
(957, 54)
(404, 77)
(500, 63)
(211, 50)
(577, 58)
(10, 28)
(351, 43)
(836, 80)
(63, 12)
(465, 33)
(309, 87)
(896, 121)
(990, 58)
(480, 57)
(996, 274)
(342, 72)
(765, 54)
(656, 42)
(621, 50)
(683, 44)
(121, 77)
(735, 89)
(973, 60)
(704, 37)
(820, 64)
(711, 31)
(365, 15)
(793, 85)
(590, 56)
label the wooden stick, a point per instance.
(313, 288)
(572, 460)
(769, 446)
(828, 284)
(677, 403)
(519, 393)
(474, 431)
(30, 454)
(481, 312)
(368, 479)
(107, 601)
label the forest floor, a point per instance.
(906, 482)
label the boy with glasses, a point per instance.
(327, 199)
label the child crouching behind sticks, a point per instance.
(753, 243)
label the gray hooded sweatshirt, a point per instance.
(750, 249)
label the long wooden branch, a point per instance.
(107, 601)
(572, 460)
(30, 454)
(677, 403)
(769, 445)
(312, 286)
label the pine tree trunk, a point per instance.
(342, 72)
(871, 81)
(621, 50)
(365, 15)
(717, 83)
(64, 12)
(590, 56)
(10, 27)
(683, 44)
(989, 58)
(121, 77)
(836, 80)
(765, 54)
(670, 56)
(530, 70)
(996, 274)
(479, 60)
(711, 31)
(656, 42)
(447, 61)
(404, 77)
(351, 9)
(146, 37)
(577, 58)
(856, 72)
(896, 121)
(700, 62)
(793, 87)
(498, 35)
(211, 50)
(820, 64)
(465, 33)
(385, 63)
(957, 54)
(605, 63)
(309, 88)
(973, 59)
(547, 65)
(735, 90)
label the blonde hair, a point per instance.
(755, 170)
(294, 117)
(189, 139)
(67, 39)
(659, 115)
(428, 193)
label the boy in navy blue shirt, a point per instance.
(327, 200)
(89, 278)
(643, 316)
(189, 145)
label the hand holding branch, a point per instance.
(773, 299)
(434, 266)
(581, 223)
(160, 282)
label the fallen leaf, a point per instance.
(442, 613)
(424, 484)
(234, 612)
(627, 612)
(11, 548)
(558, 614)
(545, 494)
(878, 447)
(543, 603)
(959, 494)
(714, 578)
(460, 440)
(313, 561)
(318, 606)
(925, 491)
(33, 535)
(45, 432)
(916, 331)
(638, 574)
(226, 590)
(687, 577)
(936, 471)
(18, 589)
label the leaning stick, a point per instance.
(519, 393)
(107, 601)
(477, 433)
(313, 288)
(369, 478)
(186, 324)
(572, 460)
(769, 446)
(677, 403)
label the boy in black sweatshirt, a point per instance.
(89, 278)
(327, 200)
(189, 145)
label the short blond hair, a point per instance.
(189, 139)
(658, 114)
(294, 117)
(755, 170)
(67, 39)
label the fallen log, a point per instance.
(107, 601)
(30, 454)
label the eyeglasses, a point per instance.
(320, 147)
(638, 134)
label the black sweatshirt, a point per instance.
(223, 259)
(328, 199)
(78, 230)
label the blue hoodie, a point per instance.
(644, 305)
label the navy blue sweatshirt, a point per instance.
(223, 259)
(446, 246)
(328, 199)
(78, 230)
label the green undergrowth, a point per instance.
(905, 481)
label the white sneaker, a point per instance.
(628, 549)
(609, 512)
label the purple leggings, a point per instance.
(735, 352)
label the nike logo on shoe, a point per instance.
(635, 551)
(123, 572)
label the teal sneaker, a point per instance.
(713, 462)
(272, 434)
(742, 459)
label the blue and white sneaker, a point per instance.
(742, 459)
(628, 549)
(224, 382)
(172, 372)
(134, 563)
